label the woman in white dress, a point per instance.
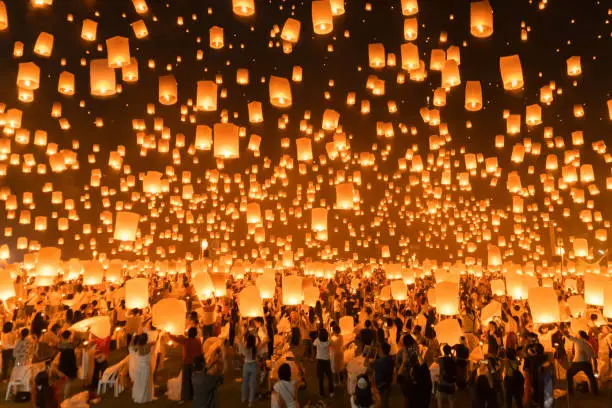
(142, 390)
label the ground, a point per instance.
(230, 392)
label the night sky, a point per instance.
(398, 216)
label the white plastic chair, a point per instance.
(112, 377)
(20, 377)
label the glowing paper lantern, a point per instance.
(203, 285)
(48, 262)
(490, 312)
(243, 8)
(304, 149)
(101, 78)
(206, 96)
(216, 41)
(574, 67)
(594, 286)
(253, 214)
(137, 293)
(292, 290)
(203, 139)
(93, 273)
(511, 72)
(226, 143)
(280, 92)
(118, 51)
(399, 290)
(255, 112)
(44, 45)
(481, 19)
(376, 55)
(410, 56)
(311, 295)
(28, 76)
(89, 30)
(249, 302)
(99, 326)
(322, 17)
(447, 298)
(410, 7)
(266, 285)
(65, 83)
(169, 315)
(498, 287)
(543, 305)
(152, 182)
(344, 196)
(494, 256)
(581, 247)
(577, 305)
(449, 332)
(126, 224)
(3, 17)
(7, 288)
(291, 30)
(607, 311)
(318, 219)
(168, 91)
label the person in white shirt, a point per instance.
(583, 355)
(285, 389)
(323, 362)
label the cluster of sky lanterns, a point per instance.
(330, 200)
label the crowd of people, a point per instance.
(360, 345)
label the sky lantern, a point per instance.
(280, 92)
(226, 141)
(304, 149)
(255, 112)
(318, 220)
(89, 30)
(129, 72)
(93, 273)
(594, 288)
(203, 285)
(7, 288)
(207, 96)
(542, 303)
(169, 315)
(114, 273)
(291, 30)
(447, 298)
(203, 139)
(65, 84)
(137, 293)
(44, 45)
(410, 7)
(581, 247)
(266, 285)
(399, 290)
(345, 196)
(140, 6)
(101, 78)
(118, 51)
(411, 29)
(152, 182)
(481, 19)
(140, 29)
(3, 17)
(337, 7)
(607, 310)
(449, 332)
(253, 214)
(533, 114)
(249, 302)
(292, 290)
(376, 55)
(126, 225)
(311, 296)
(322, 17)
(243, 8)
(216, 40)
(168, 91)
(410, 56)
(511, 72)
(99, 326)
(494, 256)
(574, 67)
(28, 76)
(450, 74)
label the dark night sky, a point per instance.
(563, 29)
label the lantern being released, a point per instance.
(137, 293)
(292, 290)
(447, 298)
(99, 326)
(544, 306)
(7, 288)
(126, 225)
(169, 316)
